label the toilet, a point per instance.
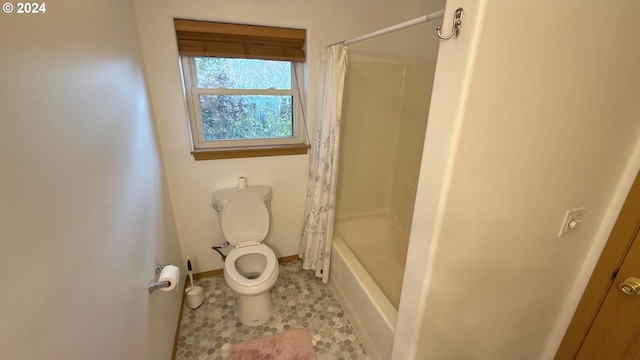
(251, 267)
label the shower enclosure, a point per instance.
(384, 118)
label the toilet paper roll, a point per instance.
(242, 182)
(171, 274)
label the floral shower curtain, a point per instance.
(317, 229)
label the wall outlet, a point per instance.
(572, 221)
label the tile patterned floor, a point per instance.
(300, 301)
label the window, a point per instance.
(241, 87)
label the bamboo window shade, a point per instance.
(202, 38)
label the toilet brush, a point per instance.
(195, 294)
(190, 271)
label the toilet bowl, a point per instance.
(251, 268)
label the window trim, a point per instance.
(250, 151)
(231, 146)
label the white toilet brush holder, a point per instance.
(195, 297)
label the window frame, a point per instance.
(296, 142)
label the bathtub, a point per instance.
(367, 265)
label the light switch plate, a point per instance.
(572, 221)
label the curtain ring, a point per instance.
(455, 27)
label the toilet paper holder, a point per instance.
(159, 268)
(154, 285)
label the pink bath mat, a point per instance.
(289, 345)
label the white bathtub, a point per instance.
(367, 264)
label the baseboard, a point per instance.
(207, 274)
(289, 258)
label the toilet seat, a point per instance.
(245, 218)
(232, 273)
(245, 223)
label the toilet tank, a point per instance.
(220, 197)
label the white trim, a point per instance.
(452, 83)
(193, 93)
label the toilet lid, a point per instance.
(245, 218)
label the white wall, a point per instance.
(85, 211)
(546, 119)
(191, 183)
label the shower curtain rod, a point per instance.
(404, 25)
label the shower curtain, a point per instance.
(317, 229)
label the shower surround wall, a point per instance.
(384, 120)
(383, 125)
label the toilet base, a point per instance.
(254, 310)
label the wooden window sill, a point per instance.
(250, 151)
